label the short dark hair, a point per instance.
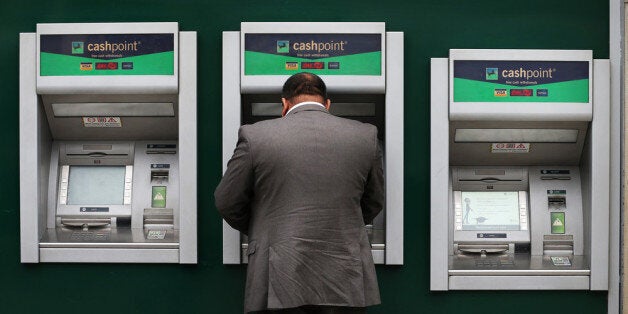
(304, 83)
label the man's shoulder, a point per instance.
(362, 127)
(260, 126)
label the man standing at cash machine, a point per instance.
(302, 188)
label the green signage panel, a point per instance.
(324, 54)
(158, 197)
(106, 54)
(558, 222)
(521, 81)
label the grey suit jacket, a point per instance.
(302, 188)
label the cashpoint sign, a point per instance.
(521, 81)
(323, 54)
(106, 54)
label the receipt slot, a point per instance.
(108, 143)
(520, 165)
(362, 66)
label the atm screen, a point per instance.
(96, 185)
(490, 210)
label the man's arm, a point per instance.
(372, 201)
(235, 191)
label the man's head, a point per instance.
(303, 87)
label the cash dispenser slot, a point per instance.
(558, 245)
(169, 152)
(555, 178)
(158, 218)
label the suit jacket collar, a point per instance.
(308, 107)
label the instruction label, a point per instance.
(510, 148)
(156, 234)
(561, 261)
(102, 122)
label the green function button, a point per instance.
(159, 197)
(558, 223)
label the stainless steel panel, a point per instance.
(519, 282)
(33, 146)
(108, 255)
(514, 265)
(617, 80)
(440, 182)
(187, 216)
(231, 110)
(600, 182)
(394, 155)
(106, 237)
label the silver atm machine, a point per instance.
(108, 143)
(361, 64)
(520, 163)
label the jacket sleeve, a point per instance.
(372, 201)
(235, 191)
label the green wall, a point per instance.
(431, 28)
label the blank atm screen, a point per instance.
(96, 185)
(490, 210)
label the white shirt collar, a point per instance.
(304, 103)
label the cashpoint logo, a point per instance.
(528, 73)
(283, 46)
(319, 46)
(492, 74)
(77, 47)
(114, 47)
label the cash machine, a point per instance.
(108, 143)
(362, 66)
(519, 170)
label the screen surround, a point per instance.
(96, 185)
